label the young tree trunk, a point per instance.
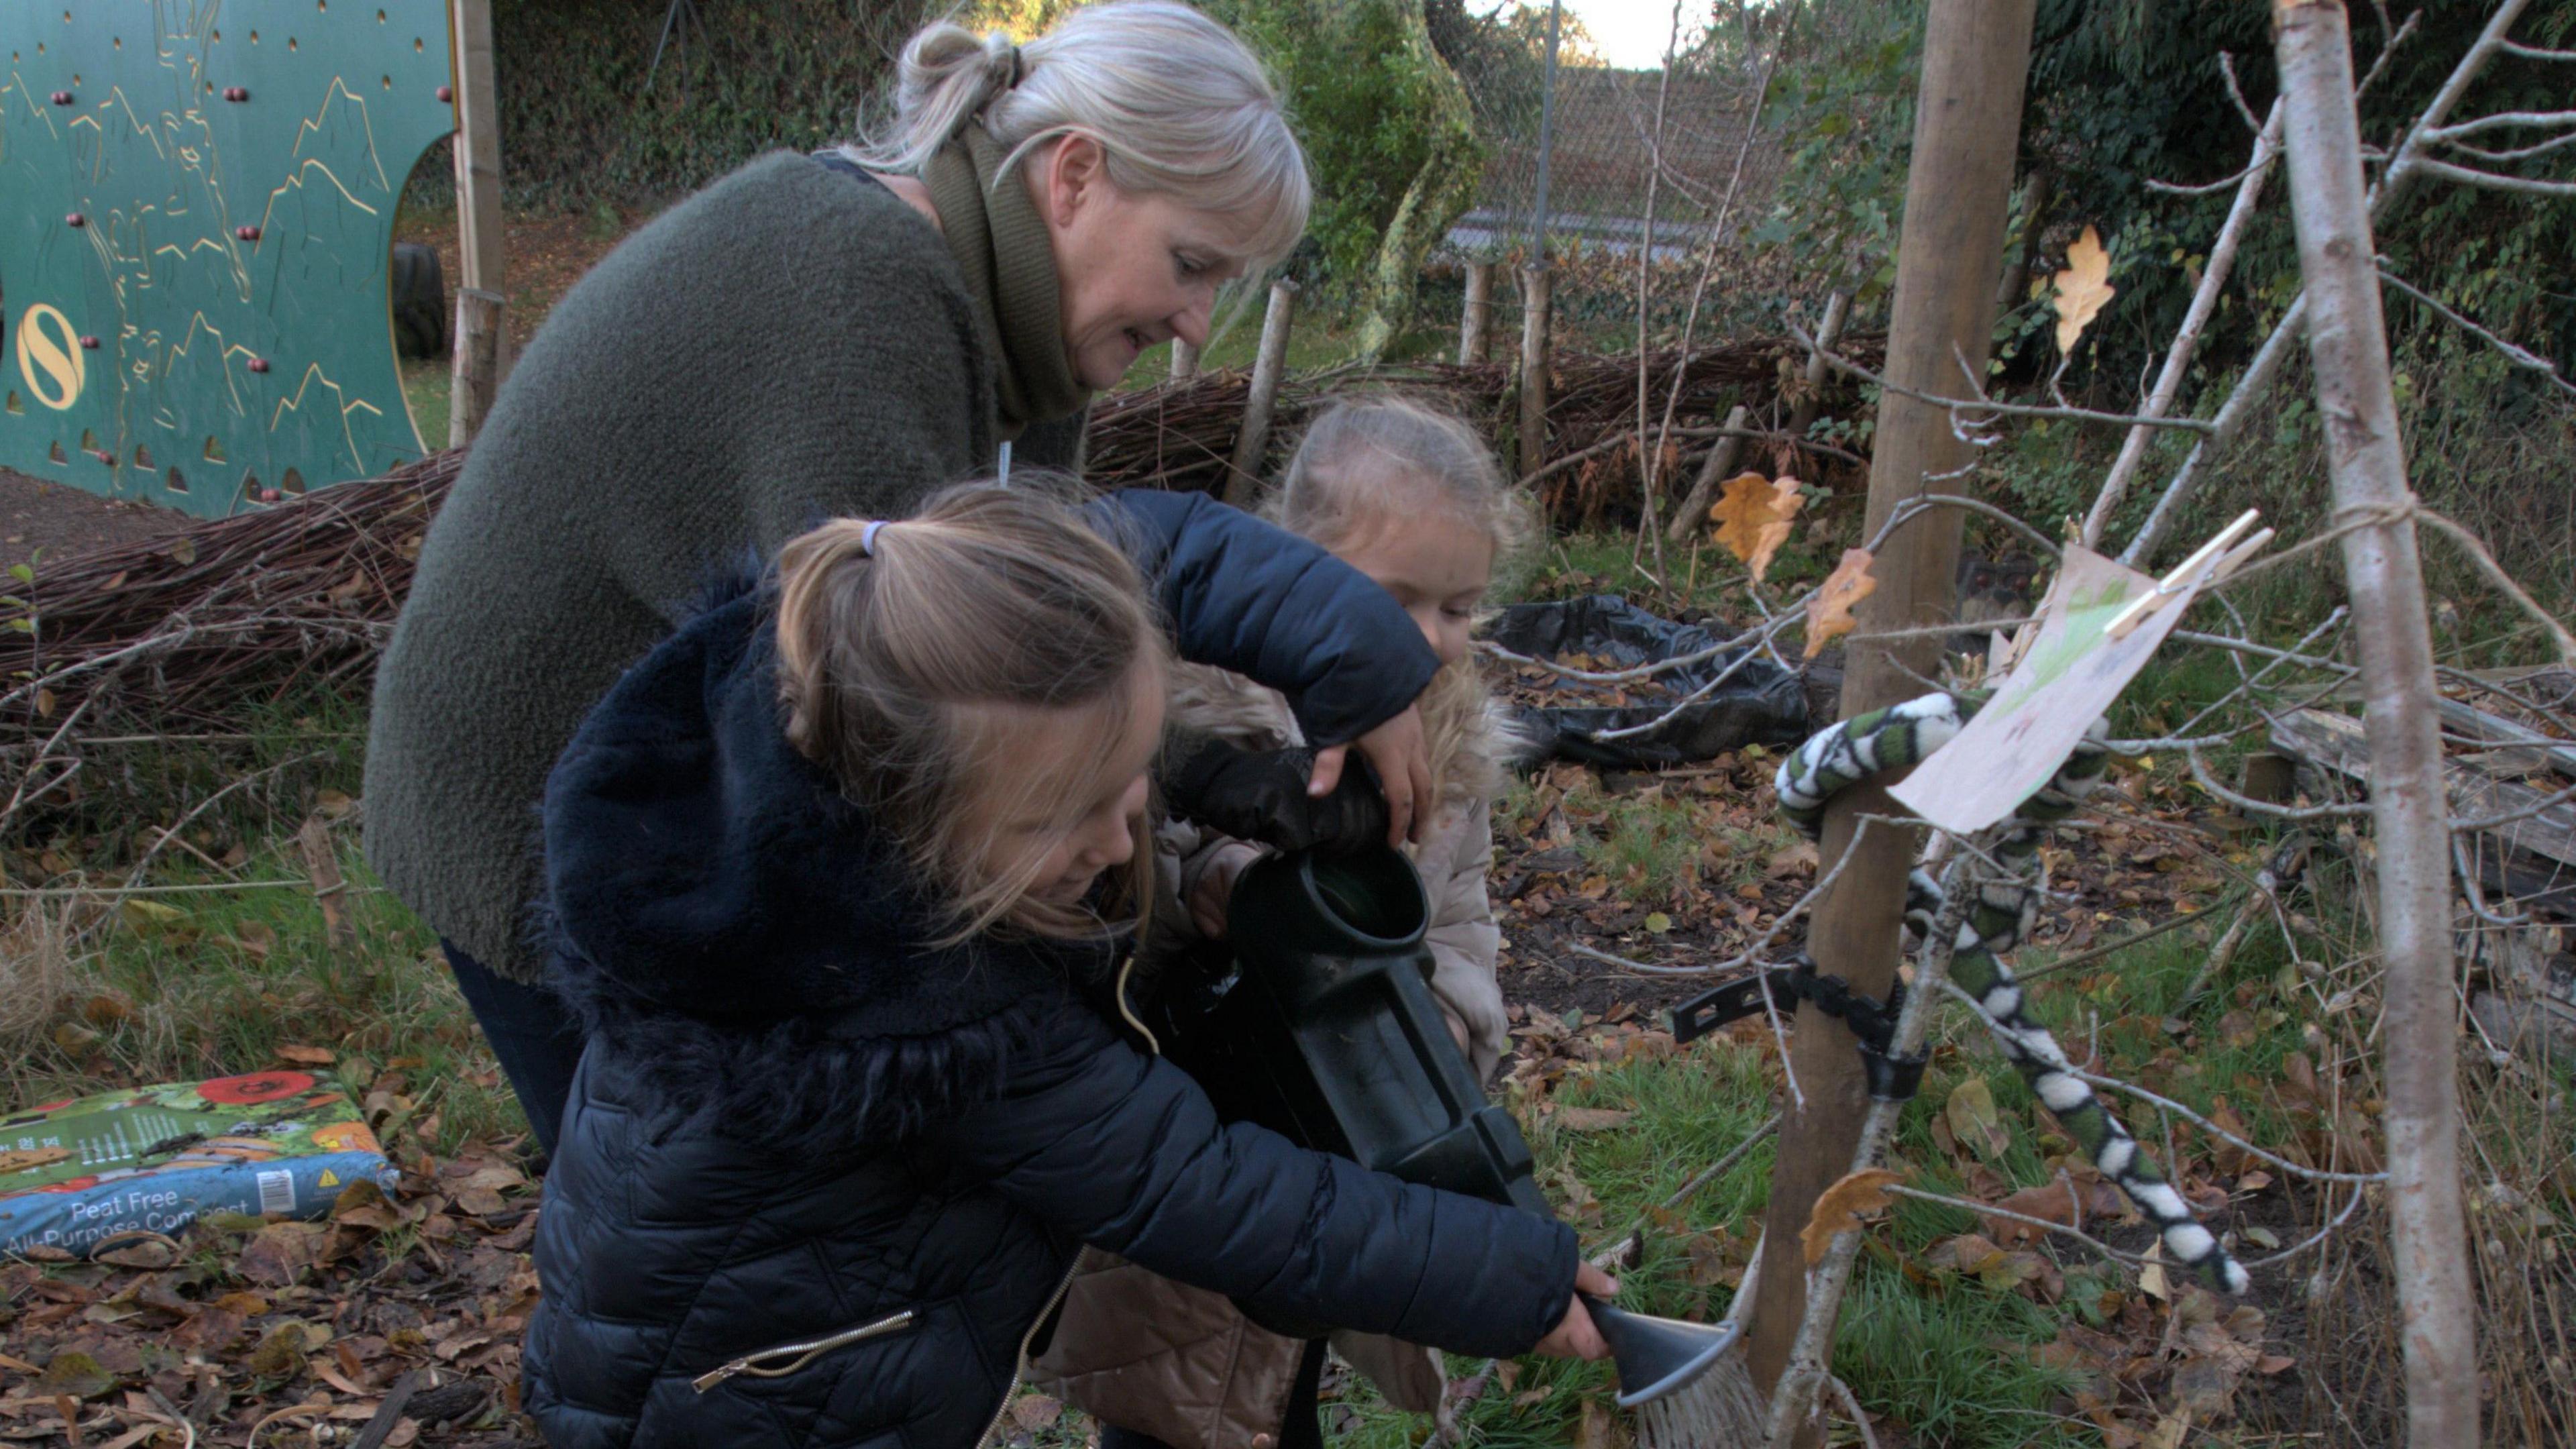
(478, 167)
(1692, 515)
(2410, 813)
(1976, 57)
(1476, 319)
(1269, 369)
(1534, 367)
(1828, 332)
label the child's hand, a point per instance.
(1215, 888)
(1574, 1336)
(1403, 759)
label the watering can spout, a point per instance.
(1656, 1356)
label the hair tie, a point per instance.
(868, 536)
(1010, 50)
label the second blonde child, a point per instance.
(1413, 499)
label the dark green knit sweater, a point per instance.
(788, 345)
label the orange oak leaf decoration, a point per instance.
(2083, 289)
(1753, 516)
(1838, 1208)
(1829, 613)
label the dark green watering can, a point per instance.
(1327, 1031)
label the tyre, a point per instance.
(419, 301)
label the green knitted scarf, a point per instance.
(1000, 243)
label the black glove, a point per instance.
(1261, 795)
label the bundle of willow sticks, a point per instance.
(174, 632)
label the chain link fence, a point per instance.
(1603, 164)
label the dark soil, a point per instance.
(41, 520)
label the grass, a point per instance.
(105, 988)
(1646, 848)
(426, 384)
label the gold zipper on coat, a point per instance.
(804, 1353)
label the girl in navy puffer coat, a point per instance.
(840, 879)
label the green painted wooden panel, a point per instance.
(196, 219)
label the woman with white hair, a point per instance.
(809, 337)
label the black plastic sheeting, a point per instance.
(1759, 704)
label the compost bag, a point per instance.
(1759, 704)
(85, 1172)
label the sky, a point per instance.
(1631, 33)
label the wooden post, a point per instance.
(1534, 366)
(1185, 360)
(477, 378)
(313, 841)
(2409, 807)
(1478, 315)
(1692, 516)
(477, 149)
(1976, 58)
(1267, 370)
(1811, 399)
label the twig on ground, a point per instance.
(1852, 1410)
(1619, 1253)
(2247, 803)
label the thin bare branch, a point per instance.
(2204, 302)
(2236, 93)
(1982, 404)
(2501, 120)
(2498, 821)
(1619, 1252)
(2319, 1174)
(2380, 62)
(1987, 1209)
(2469, 176)
(2470, 544)
(2312, 1240)
(2518, 153)
(2518, 356)
(2404, 166)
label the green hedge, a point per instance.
(579, 126)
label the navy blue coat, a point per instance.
(820, 1181)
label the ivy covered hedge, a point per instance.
(581, 126)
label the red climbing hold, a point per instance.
(247, 233)
(259, 364)
(75, 219)
(89, 342)
(62, 98)
(445, 93)
(236, 93)
(268, 495)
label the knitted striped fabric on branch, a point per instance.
(2005, 903)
